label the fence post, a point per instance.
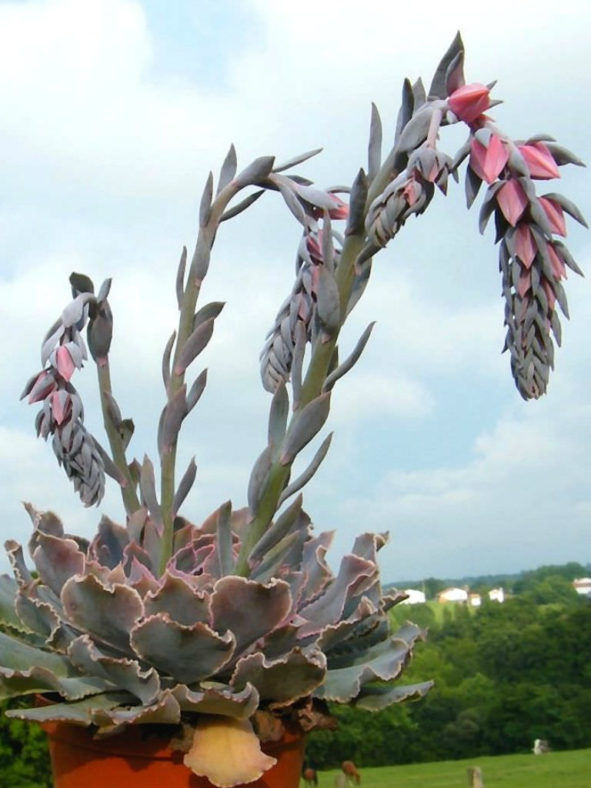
(475, 777)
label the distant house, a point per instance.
(583, 586)
(496, 595)
(474, 600)
(415, 597)
(452, 595)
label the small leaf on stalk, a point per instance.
(407, 107)
(350, 361)
(173, 415)
(166, 359)
(454, 74)
(293, 203)
(241, 206)
(81, 284)
(567, 206)
(306, 425)
(180, 277)
(327, 244)
(258, 478)
(297, 362)
(148, 489)
(228, 169)
(184, 486)
(374, 150)
(257, 171)
(278, 416)
(415, 131)
(277, 531)
(224, 540)
(126, 430)
(196, 390)
(293, 162)
(206, 198)
(563, 155)
(196, 342)
(211, 310)
(328, 305)
(438, 85)
(473, 184)
(305, 477)
(357, 204)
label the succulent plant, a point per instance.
(239, 621)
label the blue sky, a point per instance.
(114, 112)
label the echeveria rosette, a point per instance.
(532, 260)
(113, 644)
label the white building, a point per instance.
(453, 595)
(582, 586)
(496, 595)
(415, 597)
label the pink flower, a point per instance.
(524, 283)
(549, 293)
(539, 160)
(64, 362)
(555, 215)
(488, 162)
(411, 191)
(525, 247)
(60, 406)
(43, 385)
(558, 266)
(341, 209)
(512, 201)
(469, 101)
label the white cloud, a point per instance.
(104, 160)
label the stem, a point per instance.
(128, 491)
(311, 388)
(197, 271)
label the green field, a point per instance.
(570, 769)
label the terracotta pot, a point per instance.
(136, 759)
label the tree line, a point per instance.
(505, 674)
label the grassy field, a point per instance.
(554, 770)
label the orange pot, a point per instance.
(135, 759)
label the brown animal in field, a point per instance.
(310, 777)
(351, 773)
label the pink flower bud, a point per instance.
(539, 160)
(558, 266)
(512, 201)
(43, 386)
(60, 406)
(555, 215)
(469, 101)
(341, 209)
(64, 362)
(524, 244)
(488, 162)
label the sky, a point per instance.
(113, 113)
